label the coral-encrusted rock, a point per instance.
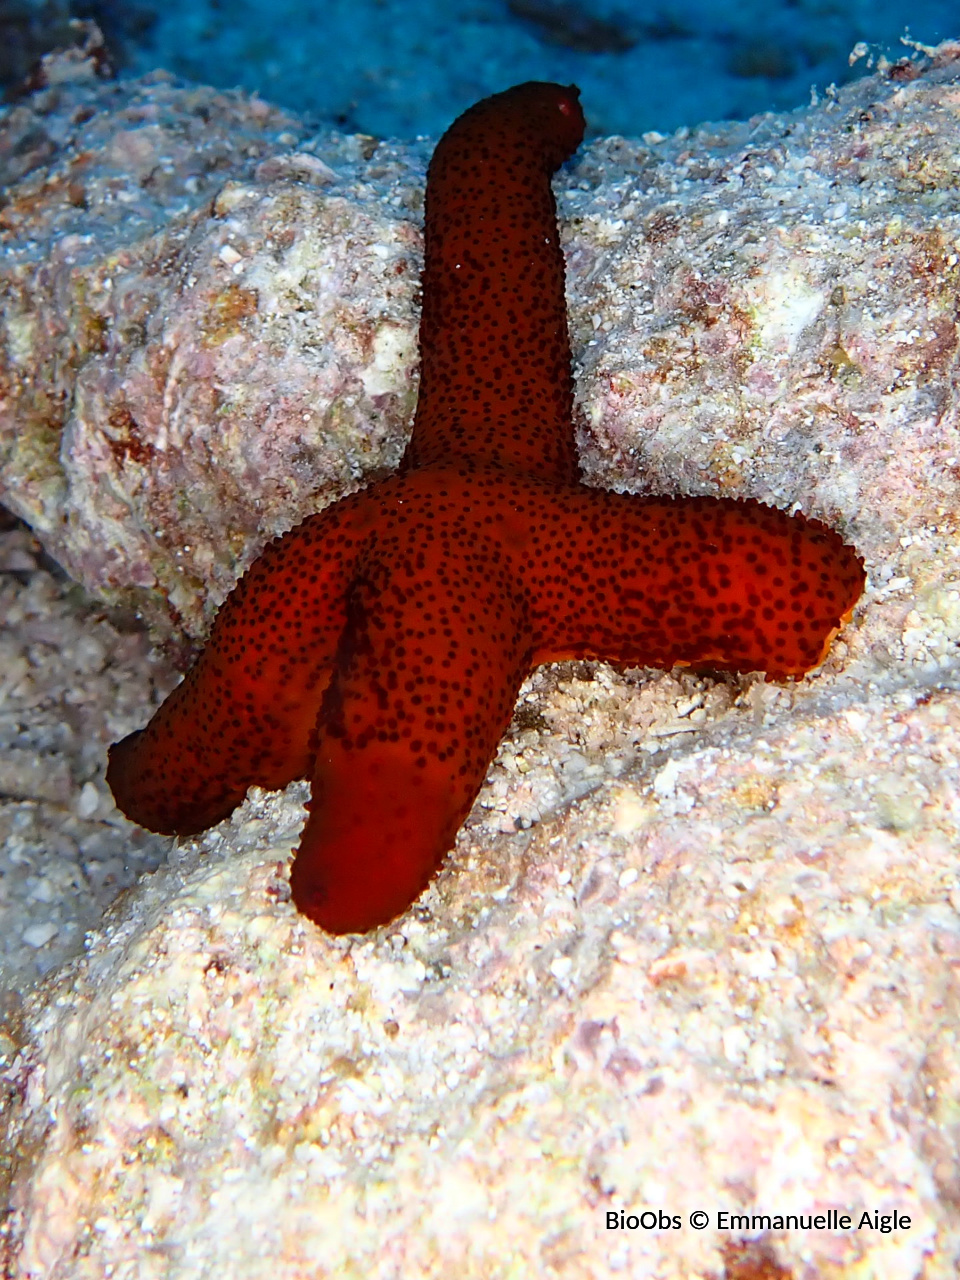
(698, 945)
(208, 327)
(726, 983)
(207, 333)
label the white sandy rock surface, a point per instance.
(697, 946)
(70, 681)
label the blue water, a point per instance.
(407, 67)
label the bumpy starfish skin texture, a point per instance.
(378, 647)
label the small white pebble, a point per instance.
(628, 877)
(38, 935)
(88, 801)
(43, 890)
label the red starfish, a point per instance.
(378, 647)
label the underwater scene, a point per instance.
(398, 68)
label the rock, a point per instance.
(70, 683)
(204, 336)
(696, 948)
(742, 957)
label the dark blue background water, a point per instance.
(403, 67)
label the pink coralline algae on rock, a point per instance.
(207, 333)
(710, 917)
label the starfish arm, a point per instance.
(425, 684)
(495, 380)
(245, 712)
(707, 582)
